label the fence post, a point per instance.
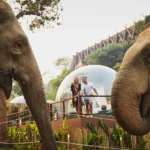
(64, 110)
(30, 117)
(17, 117)
(79, 106)
(68, 141)
(121, 144)
(51, 113)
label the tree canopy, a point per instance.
(142, 24)
(55, 83)
(16, 89)
(63, 63)
(109, 55)
(117, 66)
(42, 12)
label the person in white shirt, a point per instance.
(87, 90)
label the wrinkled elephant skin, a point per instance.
(131, 89)
(17, 62)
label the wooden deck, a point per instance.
(82, 122)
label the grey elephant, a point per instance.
(131, 89)
(17, 62)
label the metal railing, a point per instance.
(63, 107)
(26, 116)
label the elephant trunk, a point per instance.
(35, 98)
(127, 94)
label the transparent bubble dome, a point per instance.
(101, 77)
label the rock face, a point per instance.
(3, 116)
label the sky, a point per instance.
(85, 22)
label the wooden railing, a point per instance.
(22, 117)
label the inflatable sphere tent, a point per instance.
(102, 78)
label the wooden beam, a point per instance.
(85, 52)
(120, 37)
(104, 43)
(116, 38)
(90, 50)
(96, 47)
(129, 33)
(125, 35)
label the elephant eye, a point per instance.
(17, 48)
(18, 45)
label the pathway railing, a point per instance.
(57, 110)
(61, 109)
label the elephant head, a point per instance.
(131, 89)
(17, 62)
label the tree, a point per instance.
(142, 24)
(117, 66)
(16, 89)
(62, 62)
(41, 12)
(109, 55)
(55, 83)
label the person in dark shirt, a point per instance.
(76, 88)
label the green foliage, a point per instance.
(62, 135)
(25, 147)
(105, 128)
(32, 129)
(141, 142)
(127, 44)
(12, 96)
(6, 149)
(117, 136)
(147, 19)
(62, 62)
(109, 55)
(51, 95)
(117, 66)
(29, 133)
(44, 12)
(16, 89)
(94, 138)
(55, 83)
(141, 24)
